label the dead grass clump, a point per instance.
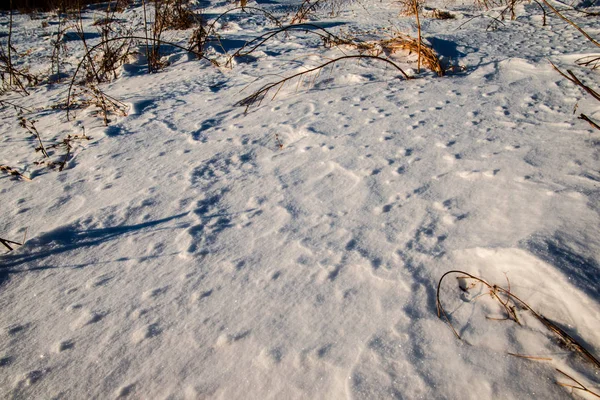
(412, 45)
(174, 14)
(112, 54)
(66, 144)
(168, 14)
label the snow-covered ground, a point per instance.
(192, 250)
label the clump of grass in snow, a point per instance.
(512, 306)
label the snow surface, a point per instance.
(183, 254)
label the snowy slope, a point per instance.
(183, 254)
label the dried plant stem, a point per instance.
(578, 82)
(530, 357)
(573, 24)
(324, 34)
(543, 12)
(510, 310)
(7, 243)
(30, 127)
(9, 61)
(102, 43)
(257, 96)
(588, 120)
(416, 7)
(18, 108)
(13, 74)
(146, 32)
(579, 385)
(13, 172)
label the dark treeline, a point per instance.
(45, 5)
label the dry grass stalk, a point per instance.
(307, 8)
(13, 172)
(589, 121)
(411, 7)
(107, 104)
(18, 109)
(536, 358)
(578, 386)
(201, 35)
(419, 41)
(570, 22)
(114, 104)
(29, 125)
(12, 78)
(510, 303)
(7, 243)
(174, 14)
(592, 62)
(329, 39)
(578, 82)
(66, 144)
(257, 97)
(402, 42)
(571, 77)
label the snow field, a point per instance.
(183, 254)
